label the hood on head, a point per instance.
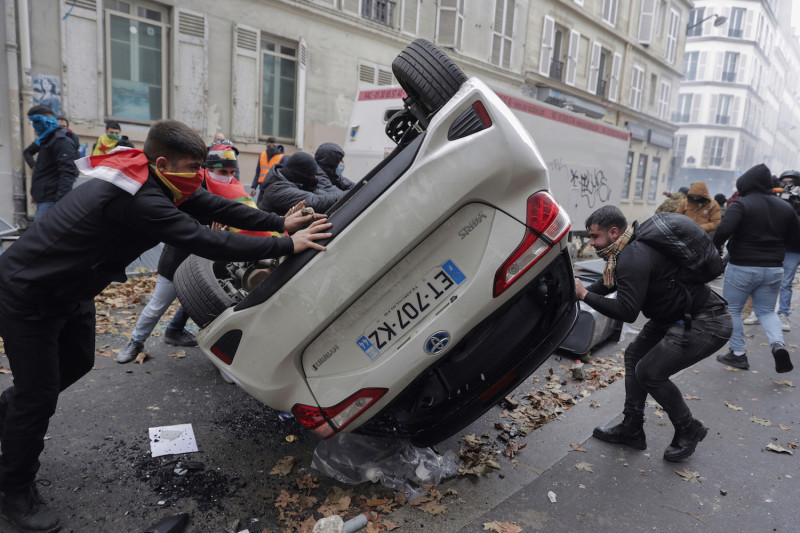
(300, 168)
(700, 189)
(328, 156)
(756, 180)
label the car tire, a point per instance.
(199, 291)
(427, 75)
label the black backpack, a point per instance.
(683, 241)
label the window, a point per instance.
(684, 112)
(626, 181)
(723, 111)
(450, 23)
(672, 35)
(646, 17)
(661, 13)
(695, 16)
(378, 10)
(729, 66)
(736, 22)
(663, 100)
(637, 85)
(410, 16)
(610, 12)
(652, 187)
(556, 65)
(641, 171)
(717, 150)
(690, 65)
(278, 87)
(680, 150)
(136, 48)
(503, 32)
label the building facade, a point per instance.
(292, 68)
(739, 98)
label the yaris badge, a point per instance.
(437, 342)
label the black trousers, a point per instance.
(662, 350)
(49, 348)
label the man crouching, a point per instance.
(646, 280)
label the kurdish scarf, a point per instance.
(104, 145)
(610, 254)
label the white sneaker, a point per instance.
(785, 326)
(750, 320)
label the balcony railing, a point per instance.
(735, 33)
(680, 117)
(724, 120)
(729, 76)
(378, 10)
(556, 69)
(601, 88)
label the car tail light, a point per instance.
(546, 224)
(327, 422)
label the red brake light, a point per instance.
(327, 422)
(546, 224)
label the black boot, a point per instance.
(687, 435)
(25, 509)
(629, 432)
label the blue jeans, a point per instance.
(163, 296)
(763, 283)
(790, 263)
(41, 209)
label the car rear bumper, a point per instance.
(496, 357)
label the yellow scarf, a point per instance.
(610, 254)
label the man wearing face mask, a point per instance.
(330, 159)
(296, 181)
(55, 171)
(700, 207)
(50, 276)
(111, 139)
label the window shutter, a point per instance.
(572, 56)
(748, 25)
(190, 65)
(741, 74)
(696, 103)
(613, 88)
(300, 114)
(82, 82)
(706, 151)
(712, 111)
(594, 67)
(728, 150)
(701, 66)
(737, 101)
(718, 66)
(245, 83)
(546, 55)
(646, 19)
(410, 17)
(722, 29)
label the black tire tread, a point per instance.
(199, 292)
(427, 74)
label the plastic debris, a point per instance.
(577, 370)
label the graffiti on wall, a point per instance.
(47, 91)
(592, 184)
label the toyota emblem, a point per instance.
(437, 342)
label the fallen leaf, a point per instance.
(502, 527)
(732, 368)
(307, 482)
(793, 445)
(433, 508)
(141, 358)
(760, 421)
(690, 397)
(731, 406)
(659, 414)
(577, 447)
(284, 465)
(581, 486)
(552, 496)
(594, 405)
(784, 383)
(778, 449)
(291, 438)
(389, 525)
(177, 355)
(785, 427)
(689, 475)
(584, 467)
(98, 367)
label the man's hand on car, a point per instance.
(304, 238)
(580, 290)
(296, 220)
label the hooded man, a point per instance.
(644, 279)
(758, 227)
(296, 181)
(55, 171)
(700, 207)
(330, 159)
(671, 204)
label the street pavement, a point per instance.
(102, 478)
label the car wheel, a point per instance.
(427, 75)
(199, 290)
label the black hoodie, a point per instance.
(760, 226)
(328, 156)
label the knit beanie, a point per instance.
(300, 168)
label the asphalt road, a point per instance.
(102, 478)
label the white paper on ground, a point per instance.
(170, 440)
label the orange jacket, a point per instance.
(264, 165)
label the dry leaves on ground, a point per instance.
(732, 406)
(502, 527)
(778, 449)
(584, 467)
(689, 475)
(760, 421)
(284, 465)
(141, 358)
(785, 383)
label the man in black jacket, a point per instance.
(758, 228)
(296, 181)
(330, 159)
(645, 280)
(55, 171)
(49, 277)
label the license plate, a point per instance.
(410, 308)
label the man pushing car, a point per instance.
(49, 277)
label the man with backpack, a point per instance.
(758, 228)
(687, 321)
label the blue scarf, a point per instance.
(44, 126)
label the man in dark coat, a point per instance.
(330, 159)
(50, 276)
(758, 227)
(296, 181)
(55, 171)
